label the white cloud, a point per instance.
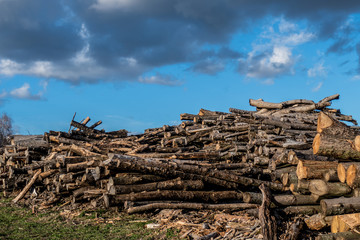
(317, 71)
(160, 79)
(130, 61)
(281, 55)
(40, 68)
(84, 33)
(9, 67)
(272, 53)
(296, 38)
(37, 68)
(23, 92)
(285, 26)
(83, 57)
(270, 64)
(318, 87)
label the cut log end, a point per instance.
(357, 143)
(341, 172)
(324, 121)
(316, 143)
(351, 175)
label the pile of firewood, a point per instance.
(211, 161)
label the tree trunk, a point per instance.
(191, 206)
(176, 184)
(308, 169)
(333, 146)
(339, 206)
(179, 195)
(329, 189)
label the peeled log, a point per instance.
(328, 145)
(331, 189)
(339, 206)
(268, 105)
(308, 169)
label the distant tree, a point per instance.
(5, 129)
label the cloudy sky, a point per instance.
(137, 64)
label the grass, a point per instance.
(20, 223)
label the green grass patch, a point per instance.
(20, 223)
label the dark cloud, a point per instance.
(32, 31)
(209, 67)
(129, 37)
(340, 46)
(343, 39)
(211, 62)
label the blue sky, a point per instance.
(137, 64)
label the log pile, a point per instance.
(211, 161)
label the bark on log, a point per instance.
(283, 199)
(179, 195)
(323, 103)
(176, 184)
(328, 145)
(301, 187)
(339, 206)
(267, 220)
(331, 176)
(293, 231)
(133, 178)
(27, 187)
(339, 236)
(307, 169)
(306, 210)
(191, 206)
(166, 169)
(330, 189)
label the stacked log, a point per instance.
(212, 160)
(337, 191)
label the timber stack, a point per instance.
(295, 159)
